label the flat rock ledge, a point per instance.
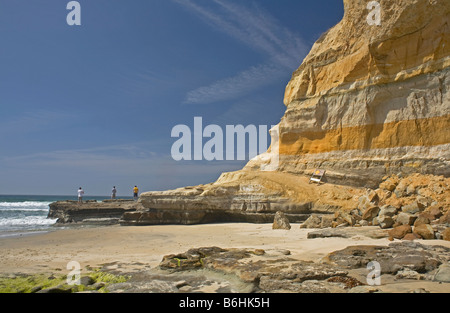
(91, 212)
(132, 213)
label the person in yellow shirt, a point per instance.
(135, 192)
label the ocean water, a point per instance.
(28, 214)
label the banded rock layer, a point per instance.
(370, 101)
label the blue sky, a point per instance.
(94, 105)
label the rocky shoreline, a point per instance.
(412, 207)
(404, 266)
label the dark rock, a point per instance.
(86, 280)
(97, 286)
(59, 289)
(254, 267)
(36, 289)
(192, 259)
(392, 258)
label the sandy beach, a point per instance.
(135, 247)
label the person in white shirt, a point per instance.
(80, 195)
(113, 192)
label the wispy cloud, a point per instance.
(258, 30)
(239, 85)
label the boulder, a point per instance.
(422, 219)
(372, 196)
(414, 207)
(385, 221)
(400, 190)
(400, 231)
(446, 234)
(314, 221)
(410, 190)
(388, 210)
(363, 203)
(327, 221)
(363, 223)
(434, 212)
(425, 231)
(411, 236)
(405, 218)
(281, 221)
(390, 183)
(445, 218)
(345, 217)
(370, 212)
(408, 274)
(87, 280)
(443, 274)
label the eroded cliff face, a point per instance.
(372, 100)
(368, 101)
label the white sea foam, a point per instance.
(27, 221)
(25, 206)
(24, 215)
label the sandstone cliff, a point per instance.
(368, 101)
